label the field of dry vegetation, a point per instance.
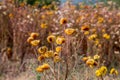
(54, 42)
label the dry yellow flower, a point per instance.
(49, 54)
(92, 37)
(98, 73)
(103, 30)
(34, 34)
(43, 25)
(50, 12)
(30, 39)
(103, 70)
(56, 54)
(85, 28)
(93, 30)
(35, 42)
(58, 48)
(90, 62)
(51, 38)
(113, 71)
(22, 4)
(96, 57)
(45, 66)
(39, 69)
(41, 57)
(63, 21)
(69, 31)
(57, 59)
(85, 59)
(106, 36)
(42, 49)
(100, 20)
(11, 15)
(60, 40)
(86, 32)
(43, 16)
(96, 42)
(9, 52)
(45, 7)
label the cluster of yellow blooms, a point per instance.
(59, 40)
(44, 53)
(32, 38)
(43, 67)
(101, 71)
(91, 62)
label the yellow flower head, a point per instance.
(85, 28)
(10, 15)
(49, 54)
(56, 54)
(45, 66)
(113, 71)
(103, 70)
(58, 48)
(91, 66)
(39, 69)
(22, 4)
(93, 30)
(92, 37)
(34, 35)
(106, 36)
(43, 16)
(42, 49)
(60, 40)
(78, 20)
(103, 30)
(9, 52)
(63, 21)
(69, 31)
(50, 12)
(96, 42)
(98, 73)
(9, 49)
(45, 7)
(85, 59)
(100, 19)
(51, 38)
(90, 62)
(41, 57)
(35, 42)
(57, 59)
(86, 32)
(96, 57)
(30, 39)
(43, 25)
